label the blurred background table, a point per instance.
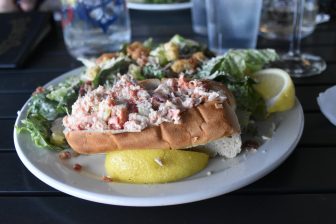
(301, 190)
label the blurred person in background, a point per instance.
(28, 5)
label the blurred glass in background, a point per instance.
(198, 16)
(232, 24)
(93, 27)
(277, 18)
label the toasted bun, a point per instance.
(200, 125)
(228, 147)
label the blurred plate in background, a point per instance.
(159, 7)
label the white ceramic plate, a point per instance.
(227, 175)
(159, 7)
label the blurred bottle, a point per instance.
(277, 18)
(92, 27)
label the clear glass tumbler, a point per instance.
(198, 16)
(232, 24)
(92, 27)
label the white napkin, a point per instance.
(327, 102)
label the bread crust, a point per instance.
(199, 125)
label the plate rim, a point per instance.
(159, 7)
(147, 201)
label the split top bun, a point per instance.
(174, 113)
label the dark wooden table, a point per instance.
(301, 190)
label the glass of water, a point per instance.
(296, 63)
(198, 16)
(277, 18)
(232, 23)
(93, 27)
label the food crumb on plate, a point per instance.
(77, 167)
(107, 179)
(64, 155)
(209, 173)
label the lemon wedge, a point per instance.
(153, 166)
(277, 89)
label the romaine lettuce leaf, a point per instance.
(110, 69)
(44, 108)
(39, 129)
(233, 69)
(237, 63)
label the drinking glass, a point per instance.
(93, 27)
(299, 64)
(198, 16)
(276, 20)
(232, 24)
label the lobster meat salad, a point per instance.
(128, 107)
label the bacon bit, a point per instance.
(64, 155)
(218, 105)
(77, 167)
(250, 144)
(38, 90)
(107, 179)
